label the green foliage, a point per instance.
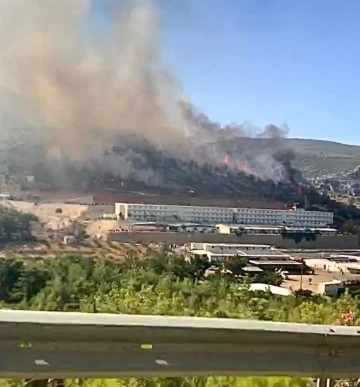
(162, 285)
(236, 264)
(19, 282)
(14, 225)
(299, 236)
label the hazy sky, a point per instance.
(269, 61)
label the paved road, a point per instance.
(42, 345)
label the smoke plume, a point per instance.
(76, 93)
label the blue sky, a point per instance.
(269, 61)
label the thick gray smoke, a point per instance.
(75, 93)
(80, 92)
(243, 147)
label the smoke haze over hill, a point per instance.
(68, 97)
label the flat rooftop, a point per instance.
(275, 227)
(252, 269)
(270, 263)
(239, 246)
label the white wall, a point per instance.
(202, 214)
(234, 249)
(97, 211)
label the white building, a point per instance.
(201, 214)
(271, 230)
(258, 287)
(228, 250)
(193, 228)
(171, 213)
(291, 217)
(350, 265)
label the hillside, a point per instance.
(319, 157)
(140, 167)
(312, 157)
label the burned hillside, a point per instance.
(142, 166)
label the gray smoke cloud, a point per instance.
(243, 147)
(79, 92)
(75, 93)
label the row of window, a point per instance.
(302, 215)
(213, 209)
(224, 220)
(229, 216)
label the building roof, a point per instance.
(275, 255)
(199, 252)
(269, 263)
(252, 269)
(190, 225)
(131, 223)
(274, 227)
(351, 265)
(268, 288)
(210, 254)
(344, 256)
(238, 245)
(238, 253)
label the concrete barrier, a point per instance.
(78, 345)
(322, 241)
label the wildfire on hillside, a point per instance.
(226, 160)
(243, 167)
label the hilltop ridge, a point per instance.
(321, 157)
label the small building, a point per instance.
(69, 240)
(5, 197)
(193, 228)
(109, 216)
(336, 265)
(97, 211)
(344, 258)
(291, 266)
(277, 290)
(146, 227)
(250, 271)
(208, 255)
(244, 250)
(271, 230)
(331, 289)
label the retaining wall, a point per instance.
(97, 211)
(322, 242)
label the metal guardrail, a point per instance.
(39, 345)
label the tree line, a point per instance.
(15, 226)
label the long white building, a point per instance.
(200, 214)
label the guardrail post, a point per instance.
(325, 382)
(36, 383)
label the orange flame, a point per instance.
(226, 160)
(244, 167)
